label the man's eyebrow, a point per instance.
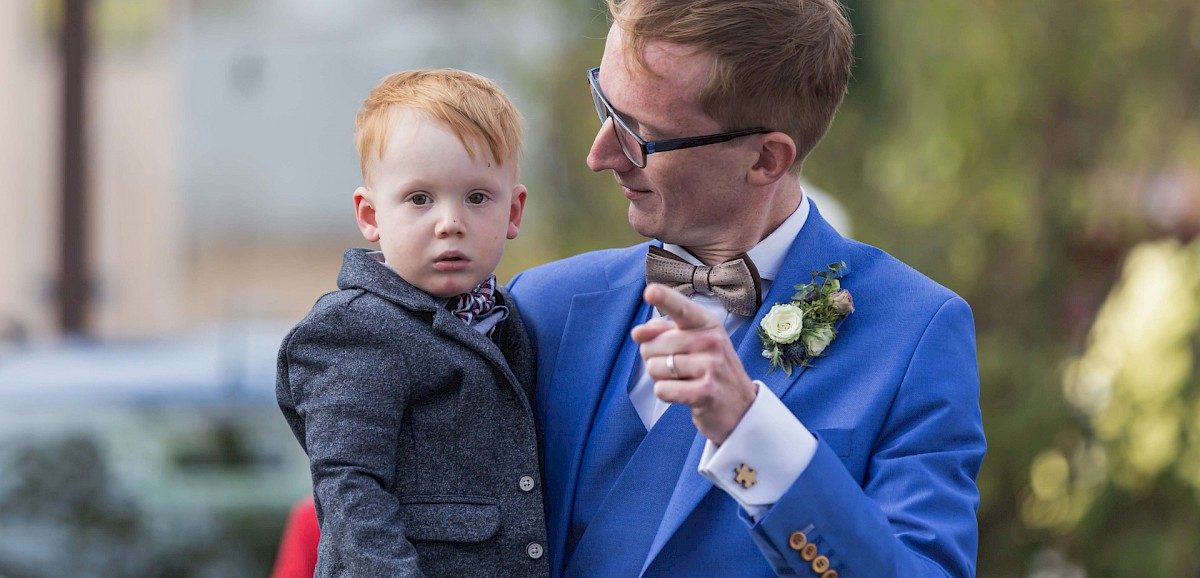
(630, 120)
(624, 115)
(641, 126)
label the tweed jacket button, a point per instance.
(797, 541)
(808, 552)
(534, 550)
(527, 483)
(820, 564)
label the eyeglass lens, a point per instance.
(629, 143)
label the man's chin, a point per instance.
(648, 226)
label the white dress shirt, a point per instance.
(770, 439)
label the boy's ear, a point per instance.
(776, 153)
(516, 210)
(364, 212)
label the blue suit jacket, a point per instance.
(894, 403)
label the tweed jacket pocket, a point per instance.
(463, 519)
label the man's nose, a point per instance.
(606, 150)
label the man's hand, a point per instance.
(708, 374)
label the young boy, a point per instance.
(410, 386)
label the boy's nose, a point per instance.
(449, 224)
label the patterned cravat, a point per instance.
(471, 306)
(735, 282)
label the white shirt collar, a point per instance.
(769, 253)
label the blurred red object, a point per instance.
(297, 556)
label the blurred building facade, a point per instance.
(221, 167)
(25, 172)
(220, 147)
(137, 266)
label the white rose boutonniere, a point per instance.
(784, 323)
(792, 333)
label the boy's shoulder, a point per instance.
(362, 269)
(354, 312)
(371, 300)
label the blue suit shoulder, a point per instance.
(557, 282)
(545, 293)
(877, 268)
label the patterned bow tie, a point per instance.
(735, 282)
(474, 305)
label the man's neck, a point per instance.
(716, 256)
(722, 250)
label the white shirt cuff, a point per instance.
(769, 442)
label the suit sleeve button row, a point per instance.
(820, 564)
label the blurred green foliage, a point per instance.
(1042, 159)
(1015, 151)
(64, 512)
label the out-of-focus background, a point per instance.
(175, 192)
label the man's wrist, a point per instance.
(742, 415)
(762, 457)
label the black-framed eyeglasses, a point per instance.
(637, 148)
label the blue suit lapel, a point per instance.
(596, 326)
(815, 247)
(690, 488)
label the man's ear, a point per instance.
(516, 210)
(776, 153)
(364, 212)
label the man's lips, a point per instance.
(631, 193)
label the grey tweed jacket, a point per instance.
(419, 432)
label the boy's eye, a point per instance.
(420, 199)
(476, 198)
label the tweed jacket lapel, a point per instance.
(815, 247)
(360, 270)
(514, 343)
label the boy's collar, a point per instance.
(364, 269)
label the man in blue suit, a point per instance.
(739, 426)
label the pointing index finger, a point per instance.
(680, 309)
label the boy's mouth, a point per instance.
(451, 260)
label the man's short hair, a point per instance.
(475, 109)
(778, 64)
